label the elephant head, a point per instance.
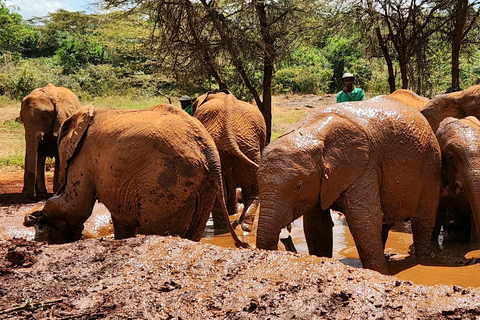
(459, 141)
(303, 171)
(42, 112)
(456, 104)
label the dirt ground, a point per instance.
(170, 278)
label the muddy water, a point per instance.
(454, 265)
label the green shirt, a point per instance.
(188, 109)
(356, 95)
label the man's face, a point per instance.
(348, 84)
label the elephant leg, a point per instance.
(40, 187)
(251, 205)
(439, 221)
(122, 231)
(362, 208)
(318, 229)
(423, 222)
(219, 224)
(56, 183)
(385, 229)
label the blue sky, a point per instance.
(40, 8)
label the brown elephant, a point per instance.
(456, 104)
(377, 161)
(239, 131)
(459, 140)
(410, 98)
(42, 112)
(157, 171)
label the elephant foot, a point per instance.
(288, 243)
(220, 231)
(247, 226)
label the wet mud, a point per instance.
(170, 278)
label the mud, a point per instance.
(170, 278)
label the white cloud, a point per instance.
(40, 8)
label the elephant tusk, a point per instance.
(458, 187)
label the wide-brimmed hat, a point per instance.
(348, 75)
(185, 98)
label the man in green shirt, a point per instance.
(186, 103)
(349, 92)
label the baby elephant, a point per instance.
(156, 170)
(459, 141)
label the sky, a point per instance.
(41, 8)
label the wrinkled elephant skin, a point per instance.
(458, 105)
(239, 131)
(459, 141)
(156, 170)
(377, 161)
(43, 111)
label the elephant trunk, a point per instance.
(32, 141)
(472, 189)
(270, 222)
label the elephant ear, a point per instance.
(470, 101)
(200, 100)
(72, 131)
(345, 156)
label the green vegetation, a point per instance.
(159, 50)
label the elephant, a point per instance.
(377, 161)
(156, 170)
(459, 141)
(456, 104)
(42, 112)
(239, 131)
(410, 98)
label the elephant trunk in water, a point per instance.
(31, 163)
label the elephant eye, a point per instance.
(299, 185)
(450, 157)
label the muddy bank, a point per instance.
(170, 278)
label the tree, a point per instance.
(211, 36)
(405, 25)
(462, 15)
(13, 32)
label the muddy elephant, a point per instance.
(410, 98)
(157, 171)
(459, 140)
(42, 112)
(456, 104)
(377, 161)
(239, 131)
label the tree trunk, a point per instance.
(461, 11)
(388, 60)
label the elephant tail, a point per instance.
(214, 167)
(235, 151)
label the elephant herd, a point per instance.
(161, 171)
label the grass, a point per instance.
(12, 134)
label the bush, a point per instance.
(302, 80)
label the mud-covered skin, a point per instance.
(410, 98)
(458, 105)
(162, 277)
(43, 111)
(239, 131)
(376, 160)
(459, 141)
(156, 170)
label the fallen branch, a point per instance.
(29, 305)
